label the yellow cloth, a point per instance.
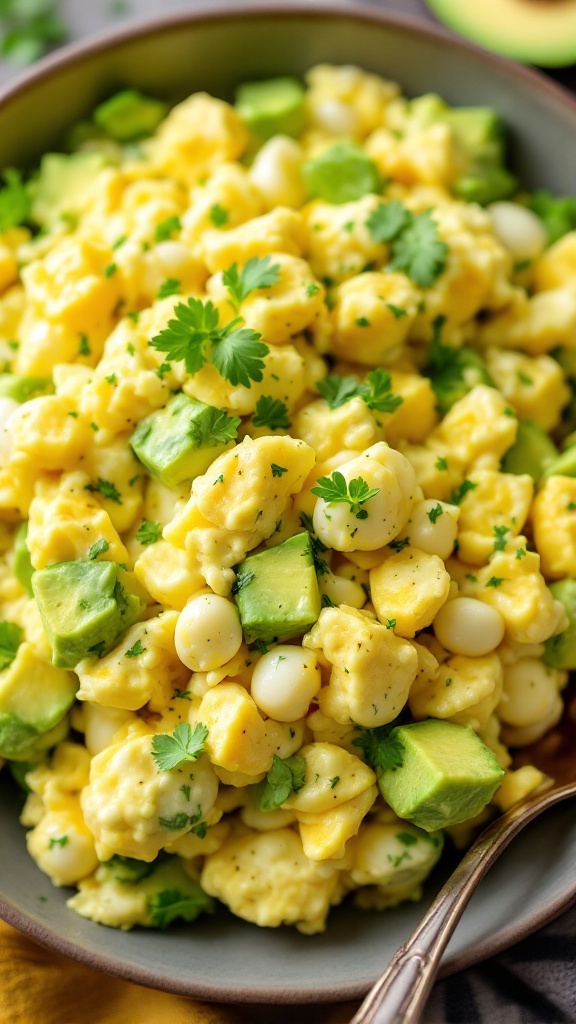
(41, 987)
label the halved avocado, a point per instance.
(533, 31)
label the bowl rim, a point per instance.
(206, 12)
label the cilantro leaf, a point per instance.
(183, 745)
(333, 489)
(148, 532)
(14, 201)
(381, 750)
(238, 357)
(256, 273)
(453, 371)
(177, 822)
(166, 228)
(214, 427)
(285, 777)
(171, 904)
(190, 335)
(194, 337)
(500, 538)
(418, 251)
(435, 513)
(99, 548)
(11, 636)
(380, 395)
(107, 489)
(338, 390)
(218, 215)
(387, 221)
(459, 493)
(272, 413)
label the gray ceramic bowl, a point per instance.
(213, 49)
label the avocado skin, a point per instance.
(560, 650)
(85, 606)
(277, 593)
(164, 441)
(447, 774)
(532, 451)
(271, 107)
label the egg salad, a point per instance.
(287, 495)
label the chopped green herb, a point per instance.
(218, 215)
(415, 246)
(334, 782)
(381, 750)
(84, 346)
(390, 623)
(277, 470)
(57, 841)
(14, 200)
(171, 286)
(99, 548)
(170, 904)
(256, 273)
(399, 545)
(459, 493)
(362, 321)
(406, 838)
(500, 535)
(163, 369)
(441, 463)
(135, 650)
(106, 489)
(435, 513)
(166, 228)
(272, 413)
(312, 289)
(396, 311)
(215, 427)
(185, 744)
(177, 822)
(333, 489)
(111, 378)
(185, 790)
(495, 581)
(110, 270)
(524, 378)
(148, 532)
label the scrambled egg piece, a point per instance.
(197, 136)
(266, 878)
(408, 589)
(463, 690)
(395, 857)
(554, 526)
(371, 668)
(492, 513)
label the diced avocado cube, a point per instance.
(557, 213)
(277, 593)
(531, 452)
(563, 465)
(21, 389)
(129, 115)
(180, 441)
(271, 107)
(463, 370)
(485, 184)
(22, 565)
(479, 131)
(84, 605)
(34, 698)
(560, 650)
(447, 774)
(341, 173)
(62, 187)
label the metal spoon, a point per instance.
(400, 994)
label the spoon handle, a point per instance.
(400, 994)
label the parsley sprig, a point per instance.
(214, 427)
(256, 273)
(149, 532)
(413, 237)
(185, 744)
(334, 489)
(376, 390)
(272, 413)
(195, 337)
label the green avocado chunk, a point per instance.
(560, 650)
(62, 187)
(447, 774)
(129, 115)
(271, 107)
(84, 605)
(34, 698)
(180, 441)
(21, 389)
(481, 138)
(531, 452)
(277, 593)
(341, 173)
(563, 465)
